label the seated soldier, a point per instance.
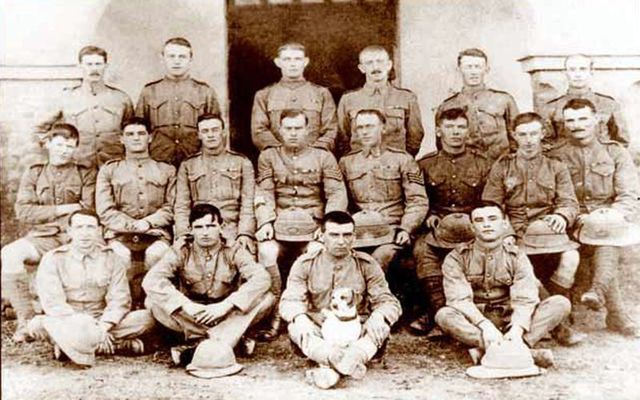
(534, 188)
(489, 286)
(84, 293)
(48, 193)
(386, 181)
(297, 184)
(219, 292)
(454, 178)
(605, 178)
(220, 177)
(311, 282)
(135, 196)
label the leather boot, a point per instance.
(16, 288)
(563, 333)
(618, 320)
(433, 290)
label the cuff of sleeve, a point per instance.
(172, 305)
(238, 302)
(111, 318)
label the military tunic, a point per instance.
(388, 182)
(403, 129)
(603, 175)
(454, 182)
(314, 100)
(531, 189)
(309, 180)
(172, 107)
(44, 187)
(611, 123)
(490, 113)
(133, 189)
(226, 181)
(97, 113)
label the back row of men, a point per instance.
(171, 106)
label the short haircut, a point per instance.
(577, 104)
(84, 211)
(135, 121)
(91, 50)
(293, 113)
(291, 46)
(375, 48)
(337, 217)
(371, 111)
(206, 117)
(472, 53)
(525, 118)
(202, 210)
(64, 130)
(579, 55)
(179, 41)
(451, 114)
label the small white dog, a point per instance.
(341, 325)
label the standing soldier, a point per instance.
(454, 179)
(403, 127)
(95, 109)
(220, 177)
(539, 199)
(47, 195)
(297, 185)
(85, 295)
(385, 181)
(611, 123)
(293, 92)
(605, 180)
(489, 111)
(135, 196)
(172, 105)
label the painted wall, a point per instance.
(433, 32)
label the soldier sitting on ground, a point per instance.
(490, 287)
(209, 291)
(47, 195)
(85, 295)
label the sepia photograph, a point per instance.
(320, 199)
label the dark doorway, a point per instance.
(333, 33)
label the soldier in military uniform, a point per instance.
(403, 127)
(297, 185)
(490, 287)
(384, 180)
(454, 179)
(135, 197)
(207, 289)
(611, 123)
(221, 177)
(489, 111)
(293, 91)
(95, 109)
(311, 282)
(173, 104)
(604, 177)
(47, 194)
(85, 296)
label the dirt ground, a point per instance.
(606, 366)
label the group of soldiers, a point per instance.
(152, 202)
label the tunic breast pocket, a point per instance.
(312, 107)
(160, 113)
(73, 194)
(395, 123)
(310, 176)
(389, 178)
(602, 179)
(123, 189)
(191, 109)
(357, 184)
(230, 183)
(546, 189)
(514, 186)
(109, 117)
(475, 280)
(198, 185)
(503, 277)
(156, 187)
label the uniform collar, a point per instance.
(293, 83)
(94, 89)
(296, 153)
(212, 154)
(138, 157)
(579, 91)
(486, 247)
(202, 253)
(372, 89)
(75, 253)
(179, 79)
(446, 154)
(473, 89)
(373, 152)
(530, 163)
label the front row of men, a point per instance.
(297, 188)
